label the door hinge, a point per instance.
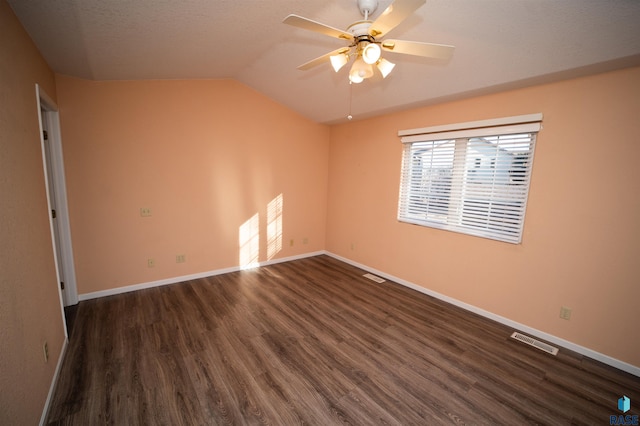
(62, 285)
(45, 135)
(53, 214)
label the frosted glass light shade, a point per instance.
(359, 71)
(338, 61)
(355, 78)
(385, 67)
(371, 53)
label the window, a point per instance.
(471, 178)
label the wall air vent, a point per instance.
(374, 278)
(535, 343)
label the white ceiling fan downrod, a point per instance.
(367, 7)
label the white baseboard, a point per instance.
(621, 365)
(54, 382)
(174, 280)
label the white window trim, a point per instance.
(494, 122)
(530, 123)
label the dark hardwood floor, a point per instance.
(313, 342)
(70, 313)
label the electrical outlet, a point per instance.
(565, 313)
(45, 349)
(180, 258)
(291, 243)
(151, 263)
(305, 240)
(145, 211)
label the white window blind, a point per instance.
(471, 178)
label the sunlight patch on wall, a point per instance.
(274, 226)
(249, 239)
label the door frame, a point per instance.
(48, 114)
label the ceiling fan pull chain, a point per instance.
(349, 117)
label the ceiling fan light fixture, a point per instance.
(371, 53)
(355, 78)
(385, 67)
(360, 71)
(338, 61)
(365, 40)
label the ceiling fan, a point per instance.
(366, 42)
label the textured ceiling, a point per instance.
(499, 44)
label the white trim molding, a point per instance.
(54, 382)
(51, 121)
(621, 365)
(494, 122)
(175, 280)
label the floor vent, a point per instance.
(535, 343)
(374, 278)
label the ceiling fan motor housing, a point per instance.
(360, 29)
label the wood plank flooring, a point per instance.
(313, 342)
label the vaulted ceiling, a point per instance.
(500, 44)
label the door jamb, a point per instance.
(62, 214)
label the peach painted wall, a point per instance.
(205, 156)
(30, 311)
(581, 243)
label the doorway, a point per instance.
(53, 164)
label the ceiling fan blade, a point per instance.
(397, 12)
(417, 48)
(322, 59)
(308, 24)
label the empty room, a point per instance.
(339, 212)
